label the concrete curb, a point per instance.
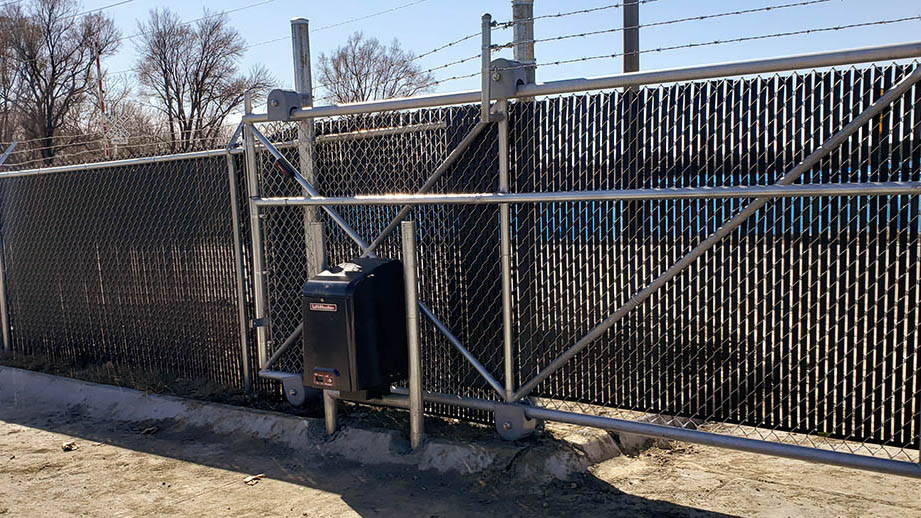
(568, 453)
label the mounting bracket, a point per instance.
(292, 383)
(504, 77)
(511, 423)
(281, 103)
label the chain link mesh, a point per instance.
(800, 326)
(459, 267)
(132, 265)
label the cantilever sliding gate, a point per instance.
(790, 318)
(734, 262)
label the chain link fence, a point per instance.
(132, 265)
(800, 326)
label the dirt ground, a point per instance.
(132, 469)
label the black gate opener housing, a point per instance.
(355, 328)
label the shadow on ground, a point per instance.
(368, 490)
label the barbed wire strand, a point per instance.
(206, 17)
(102, 141)
(506, 25)
(338, 24)
(722, 42)
(95, 134)
(668, 22)
(446, 45)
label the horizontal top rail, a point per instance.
(670, 75)
(119, 163)
(210, 153)
(486, 198)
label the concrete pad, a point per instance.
(559, 453)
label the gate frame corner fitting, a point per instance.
(511, 422)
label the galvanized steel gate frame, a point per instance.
(513, 407)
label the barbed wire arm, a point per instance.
(234, 140)
(827, 147)
(9, 150)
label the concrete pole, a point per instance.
(631, 36)
(306, 142)
(523, 35)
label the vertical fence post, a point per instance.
(306, 142)
(252, 182)
(416, 424)
(4, 314)
(330, 406)
(238, 267)
(523, 37)
(505, 251)
(485, 54)
(631, 36)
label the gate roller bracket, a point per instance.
(281, 103)
(511, 423)
(505, 76)
(291, 383)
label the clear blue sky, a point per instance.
(429, 23)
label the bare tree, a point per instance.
(124, 117)
(189, 72)
(54, 48)
(10, 89)
(364, 69)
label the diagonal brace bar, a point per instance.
(282, 163)
(448, 162)
(828, 146)
(286, 166)
(460, 347)
(285, 346)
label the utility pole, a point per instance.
(306, 142)
(631, 35)
(523, 36)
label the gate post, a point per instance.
(252, 182)
(238, 266)
(4, 314)
(505, 253)
(416, 423)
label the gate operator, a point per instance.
(355, 327)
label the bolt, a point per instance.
(275, 103)
(496, 76)
(292, 392)
(506, 425)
